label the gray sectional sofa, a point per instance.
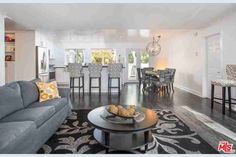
(25, 123)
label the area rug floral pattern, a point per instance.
(171, 135)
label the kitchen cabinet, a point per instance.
(62, 76)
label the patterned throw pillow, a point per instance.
(47, 91)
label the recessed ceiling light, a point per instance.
(132, 32)
(144, 32)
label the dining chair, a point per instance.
(172, 71)
(165, 80)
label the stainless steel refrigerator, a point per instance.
(42, 63)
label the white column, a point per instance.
(25, 64)
(2, 51)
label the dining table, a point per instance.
(151, 73)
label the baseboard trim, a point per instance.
(197, 93)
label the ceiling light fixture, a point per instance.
(154, 48)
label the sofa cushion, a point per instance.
(58, 104)
(29, 92)
(10, 99)
(14, 133)
(38, 115)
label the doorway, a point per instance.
(136, 58)
(214, 62)
(132, 65)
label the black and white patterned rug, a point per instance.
(171, 135)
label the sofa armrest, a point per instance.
(65, 93)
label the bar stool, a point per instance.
(114, 71)
(94, 73)
(225, 83)
(75, 71)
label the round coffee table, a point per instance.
(123, 136)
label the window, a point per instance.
(144, 59)
(74, 56)
(103, 56)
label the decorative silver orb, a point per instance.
(154, 48)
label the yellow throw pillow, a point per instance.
(47, 91)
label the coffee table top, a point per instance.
(150, 121)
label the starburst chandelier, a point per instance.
(154, 48)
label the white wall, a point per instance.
(227, 28)
(184, 54)
(25, 58)
(187, 53)
(45, 39)
(2, 51)
(89, 41)
(25, 55)
(120, 41)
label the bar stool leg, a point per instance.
(229, 97)
(99, 85)
(73, 86)
(223, 100)
(70, 83)
(212, 95)
(119, 85)
(108, 84)
(79, 85)
(90, 80)
(83, 83)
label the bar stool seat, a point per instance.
(95, 74)
(114, 75)
(224, 83)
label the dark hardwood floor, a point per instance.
(180, 102)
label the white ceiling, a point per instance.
(59, 17)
